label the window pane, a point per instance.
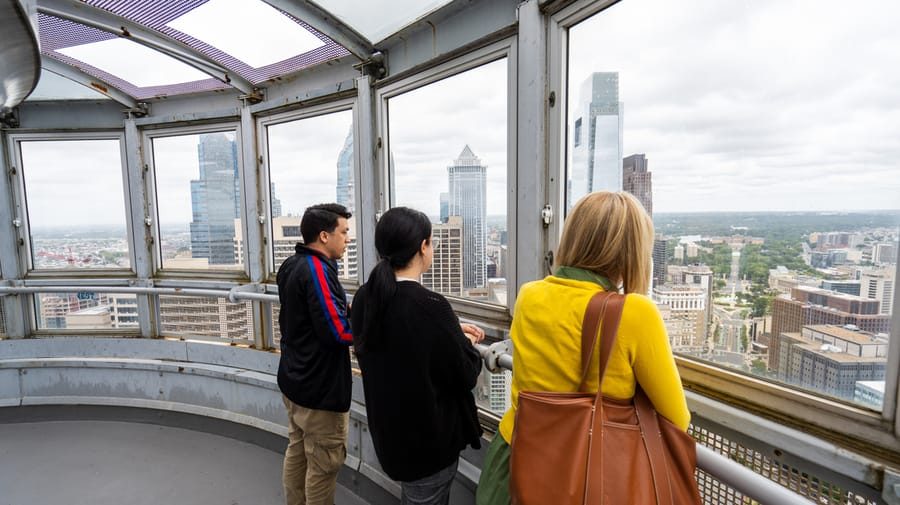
(311, 162)
(773, 158)
(201, 316)
(198, 200)
(86, 311)
(76, 204)
(376, 20)
(448, 147)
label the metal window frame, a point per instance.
(147, 137)
(26, 254)
(504, 49)
(877, 435)
(262, 135)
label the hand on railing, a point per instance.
(472, 332)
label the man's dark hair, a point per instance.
(319, 218)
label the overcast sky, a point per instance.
(738, 105)
(755, 105)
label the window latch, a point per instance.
(547, 215)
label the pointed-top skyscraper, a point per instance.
(467, 179)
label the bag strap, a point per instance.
(604, 306)
(607, 307)
(608, 332)
(589, 328)
(648, 420)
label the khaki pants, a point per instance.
(317, 446)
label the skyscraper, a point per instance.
(345, 174)
(445, 206)
(596, 137)
(276, 202)
(467, 199)
(215, 200)
(446, 273)
(878, 285)
(637, 180)
(660, 260)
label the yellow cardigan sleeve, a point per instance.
(644, 335)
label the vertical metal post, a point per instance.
(137, 182)
(253, 225)
(364, 139)
(10, 264)
(891, 406)
(531, 145)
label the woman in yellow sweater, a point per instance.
(606, 245)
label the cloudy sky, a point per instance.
(738, 105)
(755, 105)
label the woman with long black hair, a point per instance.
(418, 363)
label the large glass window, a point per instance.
(311, 161)
(762, 138)
(448, 158)
(198, 201)
(76, 204)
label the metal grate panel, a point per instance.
(807, 482)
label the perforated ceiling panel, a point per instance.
(156, 15)
(59, 34)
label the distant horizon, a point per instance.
(95, 226)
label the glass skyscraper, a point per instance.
(215, 200)
(345, 174)
(596, 137)
(467, 199)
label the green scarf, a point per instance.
(580, 274)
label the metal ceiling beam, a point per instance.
(79, 76)
(19, 55)
(80, 12)
(328, 24)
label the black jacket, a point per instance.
(418, 380)
(314, 370)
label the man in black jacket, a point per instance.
(314, 370)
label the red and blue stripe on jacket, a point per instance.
(337, 321)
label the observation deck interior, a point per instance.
(156, 159)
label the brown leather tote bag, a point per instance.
(581, 448)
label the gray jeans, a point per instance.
(431, 490)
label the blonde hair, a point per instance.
(610, 234)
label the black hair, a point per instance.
(398, 239)
(319, 218)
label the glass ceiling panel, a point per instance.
(249, 30)
(137, 64)
(170, 18)
(55, 87)
(59, 36)
(377, 19)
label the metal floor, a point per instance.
(107, 462)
